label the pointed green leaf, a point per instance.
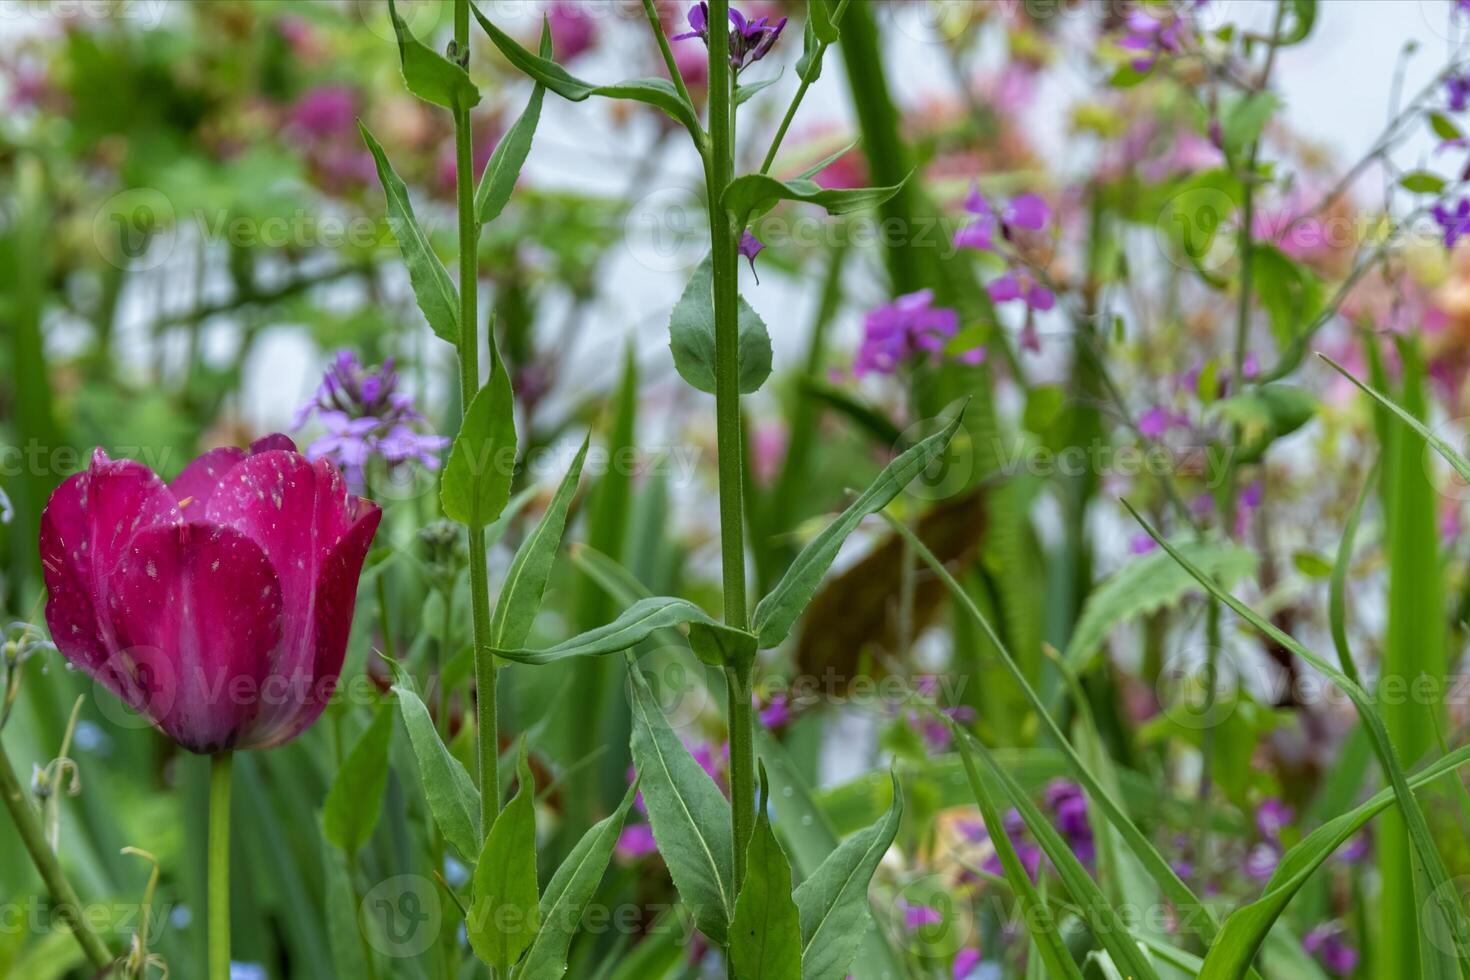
(1450, 454)
(476, 483)
(453, 800)
(568, 893)
(692, 337)
(689, 815)
(505, 911)
(756, 192)
(633, 626)
(765, 934)
(749, 90)
(657, 92)
(1035, 913)
(778, 611)
(1101, 917)
(432, 288)
(356, 797)
(1248, 925)
(1430, 862)
(525, 582)
(821, 20)
(430, 75)
(504, 168)
(833, 902)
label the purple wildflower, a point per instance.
(750, 247)
(636, 841)
(365, 415)
(1327, 944)
(774, 713)
(1029, 211)
(895, 332)
(1271, 817)
(1261, 860)
(1157, 421)
(1457, 92)
(1019, 284)
(1153, 33)
(1453, 223)
(965, 963)
(1141, 544)
(1028, 853)
(325, 111)
(750, 40)
(1069, 808)
(916, 917)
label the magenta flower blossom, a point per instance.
(750, 247)
(1018, 284)
(366, 416)
(326, 111)
(1157, 421)
(750, 40)
(1453, 222)
(573, 32)
(1327, 944)
(895, 332)
(218, 605)
(917, 917)
(1029, 211)
(966, 962)
(1068, 806)
(1028, 853)
(1153, 33)
(635, 842)
(776, 712)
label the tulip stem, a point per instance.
(63, 896)
(220, 766)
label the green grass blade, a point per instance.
(1155, 863)
(1034, 912)
(1429, 856)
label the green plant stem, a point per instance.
(68, 906)
(663, 46)
(220, 767)
(797, 98)
(486, 726)
(718, 171)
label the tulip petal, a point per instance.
(298, 512)
(195, 484)
(197, 614)
(85, 528)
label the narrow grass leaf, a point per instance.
(1107, 926)
(525, 582)
(568, 893)
(1431, 862)
(1034, 911)
(689, 815)
(453, 800)
(355, 799)
(779, 610)
(765, 933)
(1246, 928)
(433, 290)
(1156, 864)
(505, 912)
(634, 625)
(833, 902)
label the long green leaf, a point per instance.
(476, 483)
(779, 610)
(765, 933)
(689, 815)
(453, 800)
(568, 893)
(1439, 445)
(1431, 862)
(430, 75)
(1107, 926)
(525, 582)
(355, 799)
(833, 902)
(634, 625)
(757, 192)
(1155, 863)
(657, 92)
(509, 156)
(1034, 911)
(506, 911)
(433, 290)
(1247, 926)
